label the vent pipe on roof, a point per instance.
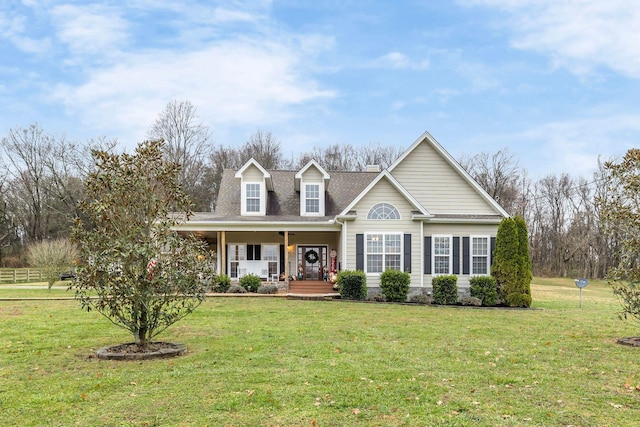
(373, 168)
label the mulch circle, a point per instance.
(131, 351)
(631, 341)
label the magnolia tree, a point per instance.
(620, 215)
(133, 267)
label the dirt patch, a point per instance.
(132, 351)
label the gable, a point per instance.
(384, 192)
(439, 183)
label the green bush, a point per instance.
(352, 284)
(394, 285)
(445, 289)
(485, 288)
(268, 289)
(236, 289)
(220, 283)
(251, 282)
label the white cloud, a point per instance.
(570, 146)
(579, 35)
(233, 82)
(398, 60)
(15, 29)
(89, 29)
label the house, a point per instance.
(424, 215)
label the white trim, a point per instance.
(394, 183)
(262, 194)
(421, 254)
(383, 253)
(303, 199)
(397, 212)
(433, 254)
(266, 175)
(427, 137)
(298, 176)
(483, 236)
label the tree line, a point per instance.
(42, 181)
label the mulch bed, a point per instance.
(131, 351)
(630, 341)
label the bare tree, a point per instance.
(187, 144)
(500, 175)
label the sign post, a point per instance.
(581, 283)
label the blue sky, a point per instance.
(555, 81)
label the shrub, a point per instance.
(485, 288)
(394, 285)
(268, 289)
(471, 301)
(377, 297)
(251, 282)
(236, 289)
(445, 289)
(352, 284)
(420, 299)
(220, 283)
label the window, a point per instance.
(252, 196)
(442, 254)
(235, 254)
(383, 252)
(383, 211)
(312, 198)
(271, 253)
(480, 255)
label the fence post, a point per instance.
(14, 276)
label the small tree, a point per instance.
(620, 215)
(134, 268)
(52, 257)
(511, 264)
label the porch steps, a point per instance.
(311, 289)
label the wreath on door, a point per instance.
(311, 256)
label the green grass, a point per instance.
(276, 362)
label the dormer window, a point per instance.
(252, 193)
(255, 181)
(312, 198)
(312, 181)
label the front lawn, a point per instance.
(276, 362)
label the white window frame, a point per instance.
(434, 255)
(383, 205)
(384, 252)
(303, 198)
(472, 255)
(261, 198)
(242, 256)
(269, 260)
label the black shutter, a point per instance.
(226, 260)
(407, 253)
(257, 252)
(465, 256)
(282, 258)
(493, 248)
(427, 255)
(456, 255)
(249, 252)
(360, 252)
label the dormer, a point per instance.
(255, 181)
(311, 182)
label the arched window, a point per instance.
(383, 211)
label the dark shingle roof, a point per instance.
(284, 202)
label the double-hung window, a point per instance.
(383, 252)
(479, 255)
(312, 198)
(442, 254)
(252, 197)
(235, 254)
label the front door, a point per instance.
(312, 261)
